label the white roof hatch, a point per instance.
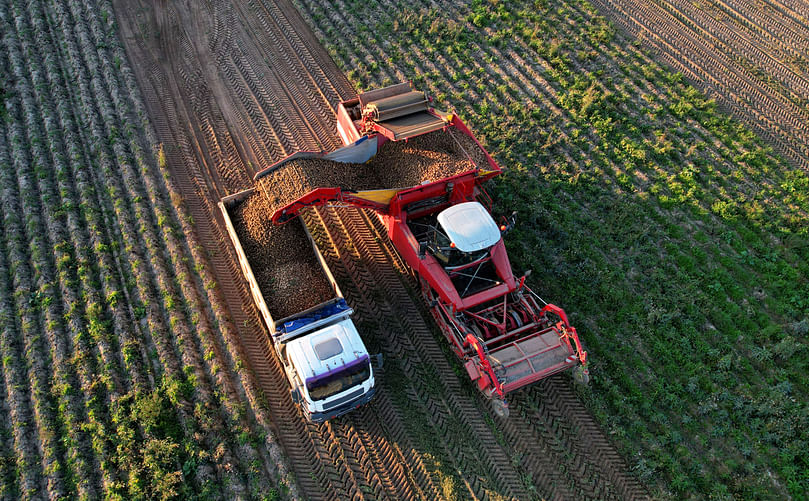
(326, 349)
(469, 226)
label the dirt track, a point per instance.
(752, 57)
(233, 87)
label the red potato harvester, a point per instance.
(506, 336)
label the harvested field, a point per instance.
(425, 158)
(284, 264)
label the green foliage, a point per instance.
(149, 446)
(160, 458)
(673, 237)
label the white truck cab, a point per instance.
(330, 368)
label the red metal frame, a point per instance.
(322, 196)
(478, 325)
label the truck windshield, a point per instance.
(339, 381)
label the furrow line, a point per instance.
(29, 457)
(780, 36)
(458, 405)
(343, 26)
(168, 353)
(354, 281)
(723, 39)
(744, 95)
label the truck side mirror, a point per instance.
(380, 362)
(422, 249)
(296, 395)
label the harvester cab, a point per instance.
(469, 231)
(460, 238)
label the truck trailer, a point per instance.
(324, 358)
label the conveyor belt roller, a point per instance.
(396, 106)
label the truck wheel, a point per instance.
(581, 375)
(500, 407)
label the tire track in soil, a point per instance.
(355, 278)
(286, 62)
(345, 483)
(482, 454)
(371, 445)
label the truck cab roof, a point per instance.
(329, 348)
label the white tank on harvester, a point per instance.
(469, 226)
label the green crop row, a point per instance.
(674, 237)
(111, 353)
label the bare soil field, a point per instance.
(672, 234)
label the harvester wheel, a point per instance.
(500, 407)
(476, 330)
(516, 318)
(581, 375)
